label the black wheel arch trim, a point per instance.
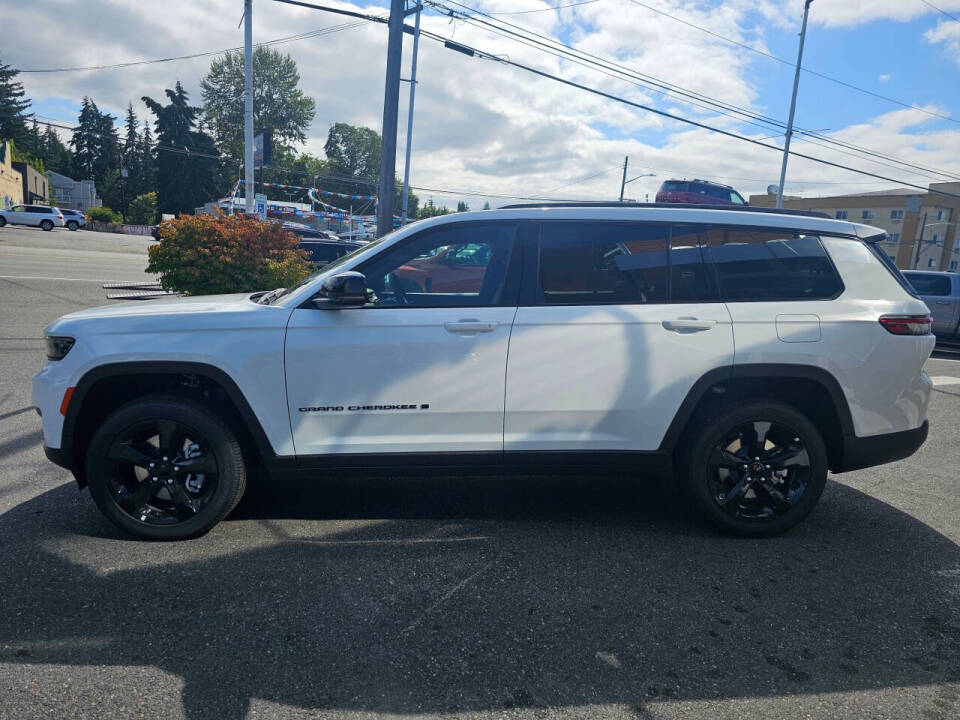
(64, 455)
(757, 370)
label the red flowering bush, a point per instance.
(205, 255)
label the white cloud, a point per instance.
(948, 34)
(885, 77)
(851, 13)
(480, 125)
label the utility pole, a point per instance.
(391, 102)
(248, 106)
(923, 228)
(413, 90)
(793, 105)
(623, 182)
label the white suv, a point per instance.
(751, 351)
(41, 216)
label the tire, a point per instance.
(3, 221)
(46, 225)
(754, 497)
(73, 225)
(173, 508)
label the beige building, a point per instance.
(921, 226)
(11, 181)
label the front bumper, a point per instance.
(863, 452)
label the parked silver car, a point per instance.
(42, 216)
(941, 292)
(74, 219)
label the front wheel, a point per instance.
(755, 469)
(3, 221)
(73, 225)
(47, 225)
(165, 468)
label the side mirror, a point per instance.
(344, 290)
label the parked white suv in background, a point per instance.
(749, 350)
(41, 216)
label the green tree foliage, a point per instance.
(486, 205)
(104, 214)
(353, 151)
(13, 105)
(278, 104)
(143, 209)
(462, 206)
(186, 174)
(146, 157)
(203, 255)
(96, 151)
(57, 156)
(430, 210)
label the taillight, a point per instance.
(908, 324)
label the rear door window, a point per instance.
(929, 284)
(769, 265)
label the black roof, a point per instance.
(691, 206)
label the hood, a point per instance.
(202, 312)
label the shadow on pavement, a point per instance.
(463, 594)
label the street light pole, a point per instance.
(413, 90)
(248, 106)
(793, 105)
(623, 182)
(391, 102)
(923, 228)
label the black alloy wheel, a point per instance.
(754, 469)
(165, 468)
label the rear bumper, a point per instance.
(863, 452)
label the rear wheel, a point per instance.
(3, 221)
(756, 469)
(46, 225)
(73, 225)
(165, 468)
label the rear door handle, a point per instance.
(470, 327)
(688, 325)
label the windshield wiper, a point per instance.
(269, 297)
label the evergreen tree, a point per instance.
(106, 171)
(188, 168)
(462, 206)
(84, 141)
(57, 156)
(147, 177)
(13, 105)
(486, 205)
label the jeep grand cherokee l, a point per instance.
(749, 351)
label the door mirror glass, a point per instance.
(344, 290)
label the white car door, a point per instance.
(421, 368)
(18, 215)
(611, 334)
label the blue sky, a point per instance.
(482, 126)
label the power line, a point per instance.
(591, 61)
(489, 56)
(546, 9)
(941, 11)
(277, 41)
(791, 64)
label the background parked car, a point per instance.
(322, 252)
(74, 219)
(698, 192)
(42, 216)
(941, 292)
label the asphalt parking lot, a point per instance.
(587, 597)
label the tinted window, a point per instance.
(771, 265)
(323, 253)
(602, 263)
(456, 266)
(690, 280)
(672, 186)
(929, 284)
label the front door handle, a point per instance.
(470, 326)
(688, 325)
(943, 302)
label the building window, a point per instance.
(867, 215)
(896, 214)
(936, 239)
(893, 237)
(930, 263)
(841, 215)
(941, 214)
(953, 264)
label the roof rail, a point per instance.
(687, 206)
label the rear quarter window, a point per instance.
(755, 265)
(929, 284)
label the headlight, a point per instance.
(58, 347)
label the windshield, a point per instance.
(330, 266)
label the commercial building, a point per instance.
(73, 194)
(11, 181)
(921, 226)
(34, 183)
